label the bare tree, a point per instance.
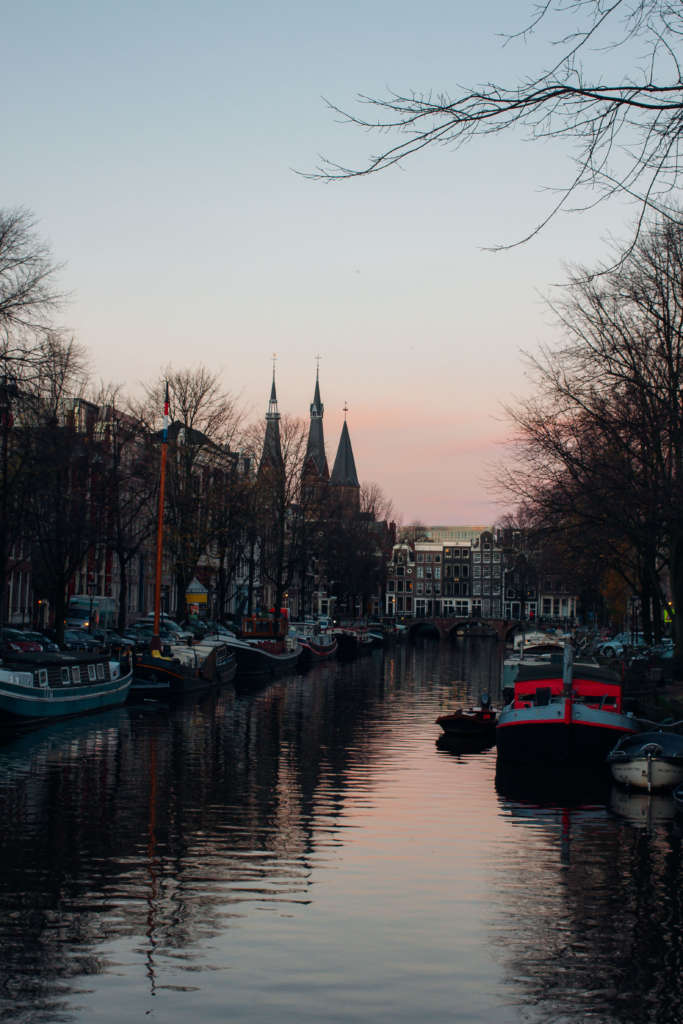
(624, 133)
(375, 503)
(601, 441)
(28, 293)
(36, 390)
(204, 421)
(56, 459)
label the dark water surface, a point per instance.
(308, 853)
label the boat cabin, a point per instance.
(265, 627)
(538, 685)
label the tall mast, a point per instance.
(156, 641)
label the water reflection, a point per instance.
(312, 835)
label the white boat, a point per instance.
(523, 640)
(649, 760)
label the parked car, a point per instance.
(80, 640)
(110, 637)
(168, 626)
(45, 643)
(16, 641)
(616, 646)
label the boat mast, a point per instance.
(156, 640)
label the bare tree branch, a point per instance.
(625, 134)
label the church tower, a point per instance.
(272, 449)
(315, 474)
(344, 479)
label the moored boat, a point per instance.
(178, 670)
(472, 724)
(47, 685)
(314, 649)
(563, 713)
(264, 659)
(649, 760)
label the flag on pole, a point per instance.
(165, 437)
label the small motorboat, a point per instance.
(648, 760)
(314, 649)
(478, 723)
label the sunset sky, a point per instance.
(157, 145)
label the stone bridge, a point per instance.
(504, 629)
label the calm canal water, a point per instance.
(307, 853)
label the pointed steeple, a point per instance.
(344, 469)
(272, 449)
(315, 463)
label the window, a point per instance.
(92, 673)
(420, 572)
(66, 676)
(420, 588)
(420, 556)
(42, 677)
(100, 670)
(76, 674)
(437, 573)
(399, 586)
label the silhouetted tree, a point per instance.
(624, 127)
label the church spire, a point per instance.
(315, 463)
(272, 449)
(344, 470)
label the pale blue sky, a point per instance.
(155, 143)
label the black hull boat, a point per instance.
(178, 671)
(41, 686)
(261, 660)
(649, 760)
(563, 719)
(312, 651)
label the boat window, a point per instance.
(42, 677)
(76, 674)
(543, 696)
(66, 676)
(92, 673)
(100, 670)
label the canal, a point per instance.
(309, 853)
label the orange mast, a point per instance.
(156, 640)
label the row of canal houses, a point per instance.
(473, 571)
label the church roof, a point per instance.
(344, 469)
